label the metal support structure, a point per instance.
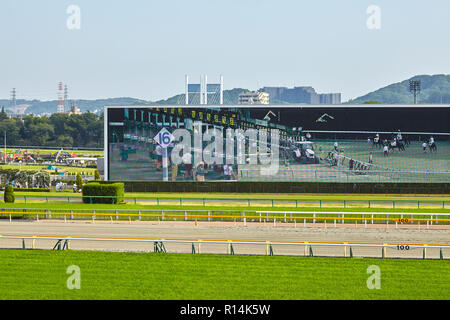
(158, 246)
(58, 247)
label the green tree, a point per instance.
(3, 114)
(79, 181)
(96, 175)
(64, 141)
(8, 197)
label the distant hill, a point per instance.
(434, 89)
(41, 107)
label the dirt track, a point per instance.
(230, 231)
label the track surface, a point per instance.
(230, 231)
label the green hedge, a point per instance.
(8, 196)
(94, 192)
(285, 187)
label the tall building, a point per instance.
(301, 95)
(254, 97)
(330, 98)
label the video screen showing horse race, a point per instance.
(359, 143)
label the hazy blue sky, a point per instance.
(143, 48)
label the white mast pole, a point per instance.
(221, 90)
(186, 90)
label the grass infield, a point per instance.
(265, 196)
(135, 208)
(35, 274)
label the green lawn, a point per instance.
(79, 153)
(44, 167)
(35, 274)
(75, 206)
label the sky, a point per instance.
(144, 48)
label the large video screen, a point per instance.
(362, 143)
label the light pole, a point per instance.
(5, 146)
(414, 87)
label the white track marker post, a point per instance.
(306, 248)
(33, 242)
(335, 223)
(345, 249)
(199, 243)
(164, 138)
(165, 165)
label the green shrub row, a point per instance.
(94, 192)
(286, 187)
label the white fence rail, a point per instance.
(158, 244)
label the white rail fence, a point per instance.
(323, 217)
(346, 248)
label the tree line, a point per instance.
(58, 130)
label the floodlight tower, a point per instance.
(66, 97)
(60, 98)
(13, 97)
(414, 87)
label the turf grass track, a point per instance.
(36, 274)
